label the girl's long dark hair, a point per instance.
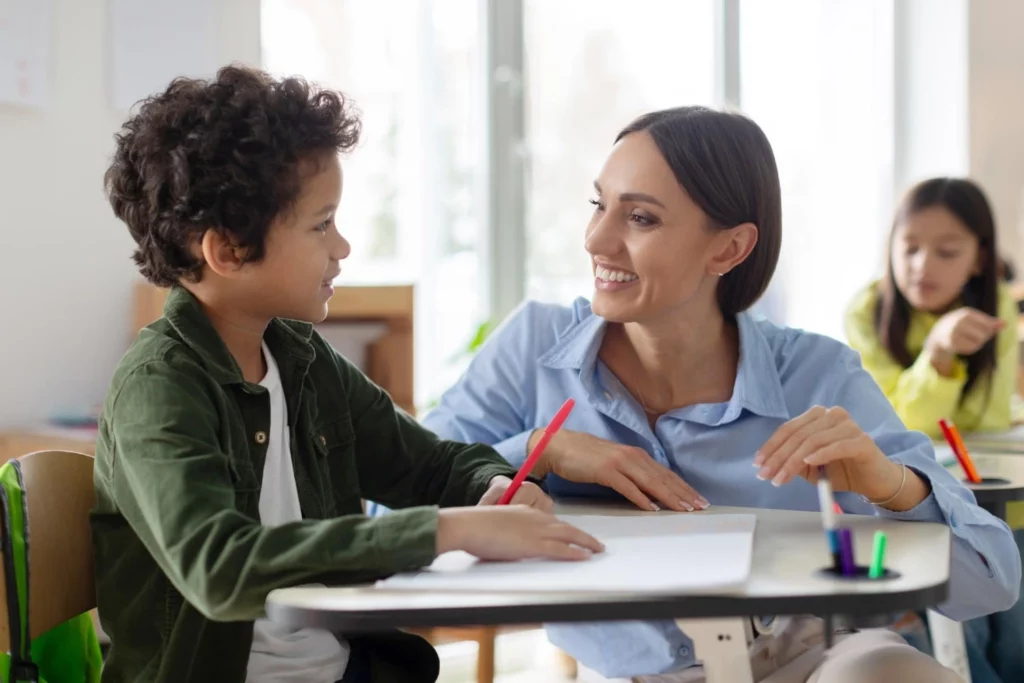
(967, 202)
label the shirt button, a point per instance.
(260, 437)
(323, 439)
(684, 651)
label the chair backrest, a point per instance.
(60, 494)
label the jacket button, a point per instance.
(323, 439)
(261, 437)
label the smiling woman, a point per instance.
(739, 204)
(685, 400)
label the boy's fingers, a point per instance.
(570, 534)
(555, 550)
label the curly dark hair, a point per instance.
(222, 154)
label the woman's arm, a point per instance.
(496, 402)
(860, 440)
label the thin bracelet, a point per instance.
(894, 496)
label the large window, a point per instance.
(418, 205)
(824, 97)
(411, 204)
(591, 67)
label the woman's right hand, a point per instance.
(960, 333)
(512, 532)
(581, 457)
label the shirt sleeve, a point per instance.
(402, 463)
(175, 485)
(986, 567)
(493, 402)
(920, 395)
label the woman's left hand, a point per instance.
(829, 437)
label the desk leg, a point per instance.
(948, 644)
(721, 646)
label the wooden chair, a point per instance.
(60, 494)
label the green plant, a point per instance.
(480, 334)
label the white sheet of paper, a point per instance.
(665, 553)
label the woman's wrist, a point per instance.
(899, 490)
(543, 466)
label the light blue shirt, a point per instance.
(544, 354)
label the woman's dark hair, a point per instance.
(967, 202)
(223, 154)
(725, 164)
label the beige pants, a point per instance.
(796, 654)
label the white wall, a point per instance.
(997, 125)
(930, 89)
(65, 266)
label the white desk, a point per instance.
(789, 549)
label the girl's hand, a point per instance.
(631, 471)
(963, 332)
(829, 437)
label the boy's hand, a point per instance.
(512, 532)
(528, 494)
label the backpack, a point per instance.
(67, 653)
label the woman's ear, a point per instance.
(221, 253)
(732, 247)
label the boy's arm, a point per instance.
(174, 485)
(403, 464)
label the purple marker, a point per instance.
(846, 552)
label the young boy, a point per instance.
(235, 445)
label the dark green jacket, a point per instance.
(183, 566)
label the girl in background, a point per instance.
(939, 335)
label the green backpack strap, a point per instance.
(14, 545)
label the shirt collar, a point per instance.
(285, 338)
(758, 387)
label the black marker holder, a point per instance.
(861, 575)
(989, 481)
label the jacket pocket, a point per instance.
(334, 443)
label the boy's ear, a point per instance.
(221, 253)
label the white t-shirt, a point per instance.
(280, 655)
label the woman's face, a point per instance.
(933, 256)
(652, 248)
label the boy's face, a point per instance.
(303, 249)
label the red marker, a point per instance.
(952, 435)
(538, 450)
